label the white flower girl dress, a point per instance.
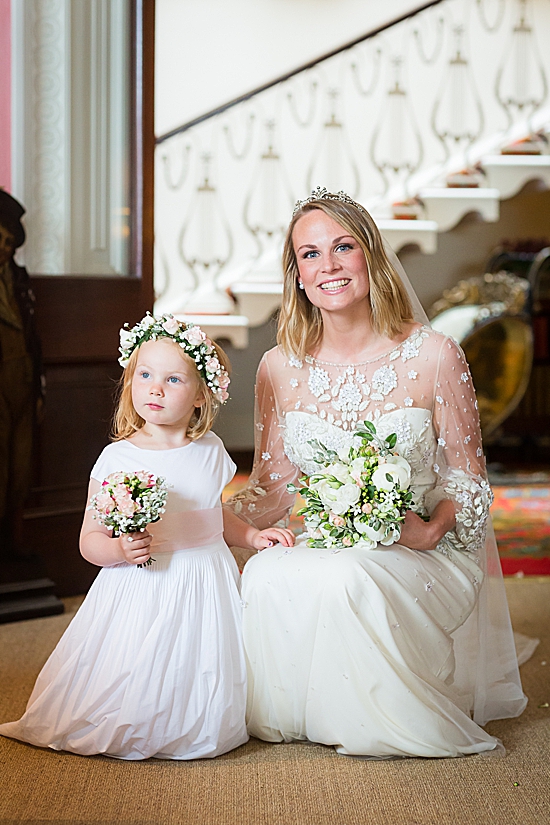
(392, 651)
(152, 665)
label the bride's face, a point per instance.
(331, 263)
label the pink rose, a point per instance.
(366, 508)
(224, 395)
(346, 541)
(194, 335)
(171, 325)
(104, 502)
(223, 380)
(145, 478)
(338, 521)
(127, 507)
(212, 365)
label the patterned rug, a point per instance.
(521, 518)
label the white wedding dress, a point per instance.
(392, 651)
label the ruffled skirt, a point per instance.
(354, 649)
(151, 665)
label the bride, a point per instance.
(403, 650)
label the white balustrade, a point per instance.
(438, 116)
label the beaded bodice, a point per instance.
(421, 390)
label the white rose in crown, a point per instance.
(126, 338)
(148, 321)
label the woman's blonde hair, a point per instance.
(300, 328)
(126, 420)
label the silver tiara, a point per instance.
(322, 194)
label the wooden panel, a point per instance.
(78, 318)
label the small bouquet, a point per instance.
(360, 495)
(128, 502)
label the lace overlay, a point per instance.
(421, 390)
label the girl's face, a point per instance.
(165, 389)
(331, 263)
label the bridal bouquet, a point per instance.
(361, 494)
(128, 502)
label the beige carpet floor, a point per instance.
(261, 784)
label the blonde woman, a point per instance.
(403, 650)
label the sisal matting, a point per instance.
(281, 784)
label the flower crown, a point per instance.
(191, 339)
(322, 194)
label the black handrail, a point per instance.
(248, 95)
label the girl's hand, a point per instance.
(271, 536)
(135, 547)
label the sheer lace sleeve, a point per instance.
(459, 462)
(265, 501)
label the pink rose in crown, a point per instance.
(194, 335)
(224, 395)
(171, 325)
(224, 381)
(212, 365)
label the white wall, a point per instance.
(210, 51)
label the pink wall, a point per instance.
(5, 94)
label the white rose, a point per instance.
(148, 321)
(376, 535)
(404, 467)
(126, 338)
(393, 535)
(339, 471)
(337, 500)
(386, 477)
(345, 497)
(343, 453)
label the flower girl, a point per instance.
(152, 665)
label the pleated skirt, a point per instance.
(152, 665)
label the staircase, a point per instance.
(435, 116)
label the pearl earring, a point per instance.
(300, 285)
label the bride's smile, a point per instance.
(331, 263)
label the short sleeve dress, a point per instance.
(152, 665)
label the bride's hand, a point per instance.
(426, 535)
(271, 536)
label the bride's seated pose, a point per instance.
(401, 650)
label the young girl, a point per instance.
(152, 665)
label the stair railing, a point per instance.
(413, 103)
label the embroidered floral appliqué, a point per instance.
(319, 381)
(384, 380)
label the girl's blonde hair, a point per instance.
(126, 420)
(300, 328)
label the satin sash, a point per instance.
(191, 528)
